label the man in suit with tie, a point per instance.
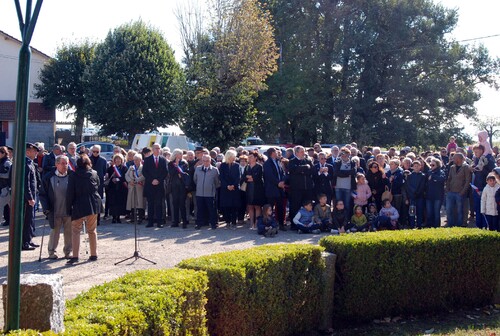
(155, 172)
(274, 184)
(323, 179)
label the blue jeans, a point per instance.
(345, 196)
(420, 205)
(480, 221)
(433, 209)
(454, 209)
(308, 229)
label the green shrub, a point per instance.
(30, 332)
(400, 272)
(267, 290)
(150, 302)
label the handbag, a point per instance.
(387, 194)
(243, 186)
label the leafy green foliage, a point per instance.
(404, 272)
(227, 64)
(374, 72)
(133, 85)
(150, 302)
(267, 290)
(62, 83)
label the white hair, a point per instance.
(137, 157)
(174, 154)
(229, 154)
(98, 147)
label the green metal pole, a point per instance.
(18, 168)
(17, 200)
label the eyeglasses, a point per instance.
(433, 165)
(95, 152)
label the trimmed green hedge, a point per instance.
(267, 290)
(412, 271)
(150, 302)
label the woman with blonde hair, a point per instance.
(117, 190)
(135, 196)
(230, 188)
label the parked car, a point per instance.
(106, 148)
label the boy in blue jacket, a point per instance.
(304, 219)
(415, 188)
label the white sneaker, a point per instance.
(316, 231)
(348, 231)
(335, 232)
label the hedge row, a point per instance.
(268, 290)
(400, 272)
(150, 302)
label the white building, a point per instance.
(41, 121)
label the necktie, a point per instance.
(156, 161)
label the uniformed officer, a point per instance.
(30, 190)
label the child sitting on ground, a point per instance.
(340, 221)
(304, 219)
(371, 216)
(266, 224)
(359, 221)
(323, 213)
(388, 216)
(488, 203)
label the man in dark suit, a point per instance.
(300, 173)
(274, 184)
(100, 165)
(155, 172)
(30, 190)
(323, 178)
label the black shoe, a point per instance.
(113, 221)
(283, 228)
(27, 247)
(150, 225)
(197, 227)
(34, 245)
(93, 258)
(5, 224)
(214, 227)
(71, 261)
(184, 225)
(119, 221)
(174, 225)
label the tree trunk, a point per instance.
(79, 119)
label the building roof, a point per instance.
(10, 37)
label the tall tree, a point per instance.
(371, 71)
(61, 81)
(490, 125)
(134, 83)
(227, 62)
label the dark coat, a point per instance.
(337, 172)
(255, 190)
(415, 186)
(117, 192)
(83, 193)
(396, 185)
(47, 196)
(48, 163)
(434, 187)
(272, 178)
(30, 183)
(180, 182)
(100, 165)
(229, 176)
(322, 183)
(151, 172)
(301, 174)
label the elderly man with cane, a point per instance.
(53, 199)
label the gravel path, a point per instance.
(166, 246)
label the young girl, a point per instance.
(266, 224)
(323, 213)
(363, 191)
(371, 216)
(388, 216)
(340, 221)
(304, 219)
(488, 203)
(359, 221)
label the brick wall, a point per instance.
(37, 112)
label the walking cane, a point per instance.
(41, 244)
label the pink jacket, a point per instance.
(364, 193)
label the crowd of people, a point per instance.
(312, 190)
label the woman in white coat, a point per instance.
(135, 197)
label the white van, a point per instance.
(165, 140)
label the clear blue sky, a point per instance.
(66, 20)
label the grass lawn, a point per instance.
(474, 322)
